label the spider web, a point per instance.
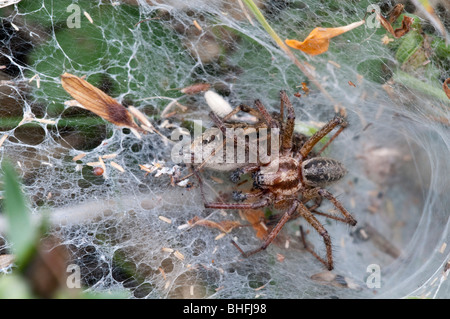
(396, 147)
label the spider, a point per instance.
(293, 179)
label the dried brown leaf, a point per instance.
(196, 88)
(98, 102)
(395, 13)
(406, 22)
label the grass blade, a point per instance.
(21, 232)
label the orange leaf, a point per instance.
(97, 101)
(256, 217)
(318, 41)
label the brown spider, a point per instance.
(294, 180)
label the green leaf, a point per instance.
(410, 43)
(21, 233)
(433, 89)
(14, 287)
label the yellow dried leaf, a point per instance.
(98, 102)
(318, 41)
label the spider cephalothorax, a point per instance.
(292, 179)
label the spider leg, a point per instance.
(262, 203)
(313, 209)
(309, 249)
(288, 128)
(236, 175)
(218, 122)
(243, 108)
(309, 217)
(320, 193)
(265, 115)
(339, 219)
(273, 233)
(200, 182)
(332, 139)
(240, 196)
(348, 218)
(327, 128)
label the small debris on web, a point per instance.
(195, 88)
(179, 255)
(78, 157)
(304, 87)
(109, 156)
(199, 28)
(165, 219)
(3, 139)
(117, 166)
(280, 257)
(442, 249)
(220, 236)
(159, 168)
(385, 40)
(38, 80)
(335, 64)
(103, 166)
(98, 171)
(88, 16)
(163, 273)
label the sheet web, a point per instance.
(126, 230)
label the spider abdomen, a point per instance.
(321, 171)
